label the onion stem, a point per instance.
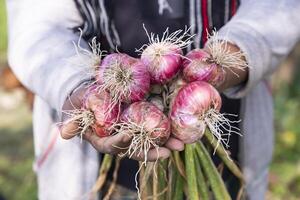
(105, 166)
(178, 190)
(201, 182)
(221, 152)
(113, 184)
(179, 164)
(171, 179)
(162, 179)
(160, 186)
(155, 185)
(217, 185)
(145, 180)
(191, 173)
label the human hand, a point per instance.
(233, 75)
(114, 144)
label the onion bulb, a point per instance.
(197, 106)
(96, 114)
(105, 113)
(198, 66)
(148, 126)
(163, 56)
(209, 65)
(124, 77)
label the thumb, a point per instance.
(69, 129)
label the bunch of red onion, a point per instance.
(162, 93)
(185, 95)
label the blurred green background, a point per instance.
(17, 180)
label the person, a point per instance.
(41, 36)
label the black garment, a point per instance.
(129, 17)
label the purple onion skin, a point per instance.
(189, 107)
(164, 68)
(151, 117)
(140, 77)
(105, 114)
(197, 67)
(140, 85)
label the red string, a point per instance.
(204, 20)
(40, 161)
(233, 7)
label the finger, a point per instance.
(119, 142)
(160, 153)
(111, 144)
(89, 136)
(174, 144)
(153, 154)
(69, 129)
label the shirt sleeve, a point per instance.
(41, 40)
(266, 31)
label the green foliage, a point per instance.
(17, 180)
(3, 31)
(285, 169)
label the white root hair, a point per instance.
(144, 177)
(158, 47)
(117, 80)
(220, 126)
(221, 54)
(140, 144)
(113, 184)
(84, 118)
(180, 38)
(87, 60)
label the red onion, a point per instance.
(209, 65)
(148, 126)
(105, 113)
(124, 77)
(162, 56)
(198, 66)
(224, 54)
(163, 61)
(196, 106)
(96, 113)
